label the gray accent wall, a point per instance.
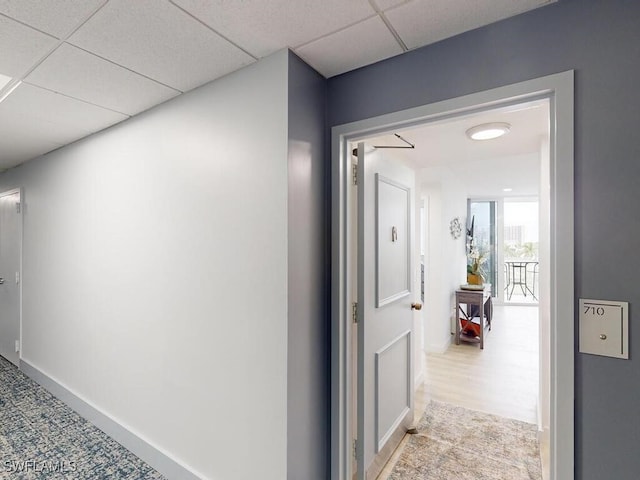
(600, 40)
(308, 274)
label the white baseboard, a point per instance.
(544, 438)
(419, 380)
(539, 414)
(162, 462)
(438, 347)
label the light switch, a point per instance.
(604, 328)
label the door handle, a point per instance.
(1, 280)
(416, 306)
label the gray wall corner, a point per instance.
(308, 388)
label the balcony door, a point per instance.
(482, 227)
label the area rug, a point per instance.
(42, 438)
(454, 443)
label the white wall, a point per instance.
(446, 262)
(155, 272)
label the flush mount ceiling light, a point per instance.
(488, 131)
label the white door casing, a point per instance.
(10, 256)
(385, 319)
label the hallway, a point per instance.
(40, 437)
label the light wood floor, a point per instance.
(502, 379)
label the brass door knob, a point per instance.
(416, 306)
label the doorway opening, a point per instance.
(465, 180)
(521, 251)
(557, 90)
(10, 272)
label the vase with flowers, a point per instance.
(476, 257)
(475, 270)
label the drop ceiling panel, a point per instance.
(54, 117)
(263, 27)
(13, 153)
(160, 41)
(422, 22)
(387, 4)
(26, 128)
(76, 73)
(57, 18)
(121, 47)
(21, 47)
(354, 47)
(4, 80)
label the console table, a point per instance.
(481, 299)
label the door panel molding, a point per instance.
(388, 288)
(386, 373)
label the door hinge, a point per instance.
(354, 312)
(354, 449)
(17, 207)
(354, 174)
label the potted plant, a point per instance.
(475, 270)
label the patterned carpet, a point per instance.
(454, 443)
(42, 438)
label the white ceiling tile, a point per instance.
(55, 17)
(386, 4)
(21, 47)
(169, 41)
(160, 41)
(422, 22)
(28, 145)
(263, 27)
(57, 118)
(362, 44)
(4, 80)
(24, 128)
(76, 73)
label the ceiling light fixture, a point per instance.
(507, 189)
(488, 131)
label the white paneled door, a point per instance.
(385, 302)
(10, 247)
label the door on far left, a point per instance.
(10, 256)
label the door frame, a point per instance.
(559, 90)
(7, 193)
